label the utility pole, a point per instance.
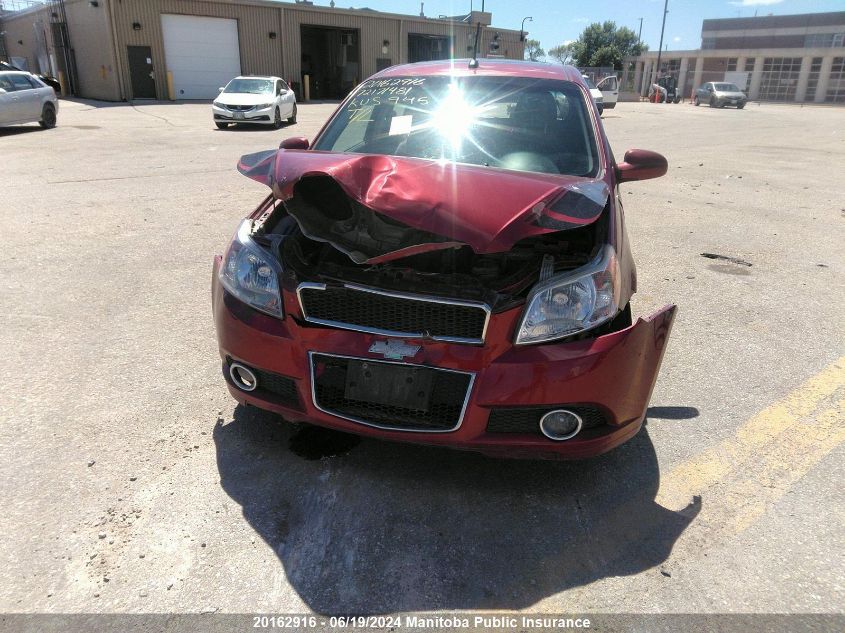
(640, 34)
(660, 47)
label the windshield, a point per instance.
(524, 124)
(726, 88)
(250, 86)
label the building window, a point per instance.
(749, 68)
(813, 78)
(836, 83)
(731, 64)
(780, 78)
(824, 40)
(708, 43)
(671, 66)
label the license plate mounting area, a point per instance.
(389, 384)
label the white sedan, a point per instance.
(262, 100)
(26, 99)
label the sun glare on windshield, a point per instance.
(522, 124)
(454, 117)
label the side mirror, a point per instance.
(221, 89)
(296, 142)
(641, 164)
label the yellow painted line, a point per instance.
(792, 434)
(738, 480)
(785, 465)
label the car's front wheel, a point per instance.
(221, 126)
(292, 117)
(277, 119)
(740, 106)
(696, 101)
(48, 116)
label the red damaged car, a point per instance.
(446, 263)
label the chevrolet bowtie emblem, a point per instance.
(394, 348)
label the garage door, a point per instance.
(202, 53)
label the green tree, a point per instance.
(533, 50)
(605, 44)
(563, 53)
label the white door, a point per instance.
(27, 101)
(202, 53)
(288, 100)
(8, 102)
(609, 87)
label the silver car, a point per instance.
(26, 99)
(719, 94)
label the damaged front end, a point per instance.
(423, 227)
(451, 304)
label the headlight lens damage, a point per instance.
(250, 274)
(573, 302)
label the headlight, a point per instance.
(263, 106)
(251, 274)
(572, 302)
(217, 104)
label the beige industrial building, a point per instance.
(185, 49)
(786, 58)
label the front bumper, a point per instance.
(614, 374)
(224, 115)
(722, 101)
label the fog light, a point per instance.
(560, 424)
(243, 377)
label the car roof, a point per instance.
(255, 77)
(486, 67)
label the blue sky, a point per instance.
(556, 21)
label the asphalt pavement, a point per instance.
(131, 482)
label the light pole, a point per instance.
(660, 47)
(640, 34)
(522, 28)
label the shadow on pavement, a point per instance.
(396, 527)
(672, 413)
(254, 127)
(19, 129)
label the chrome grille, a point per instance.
(393, 314)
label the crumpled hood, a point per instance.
(488, 209)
